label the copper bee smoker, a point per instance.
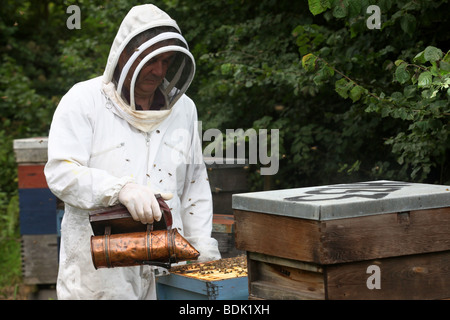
(119, 241)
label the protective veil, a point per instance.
(99, 140)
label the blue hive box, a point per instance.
(193, 284)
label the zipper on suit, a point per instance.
(147, 143)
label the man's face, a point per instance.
(152, 73)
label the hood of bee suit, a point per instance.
(119, 83)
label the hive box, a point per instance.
(38, 213)
(37, 203)
(179, 287)
(226, 177)
(368, 240)
(224, 279)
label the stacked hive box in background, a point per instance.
(226, 177)
(369, 240)
(38, 213)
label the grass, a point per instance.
(11, 287)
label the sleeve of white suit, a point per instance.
(196, 205)
(69, 144)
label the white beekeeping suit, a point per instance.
(100, 141)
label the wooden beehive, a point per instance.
(226, 177)
(39, 259)
(224, 279)
(38, 213)
(339, 241)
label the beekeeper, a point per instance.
(121, 138)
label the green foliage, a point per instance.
(424, 102)
(250, 70)
(412, 89)
(318, 6)
(10, 261)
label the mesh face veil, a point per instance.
(148, 55)
(179, 74)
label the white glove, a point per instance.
(141, 202)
